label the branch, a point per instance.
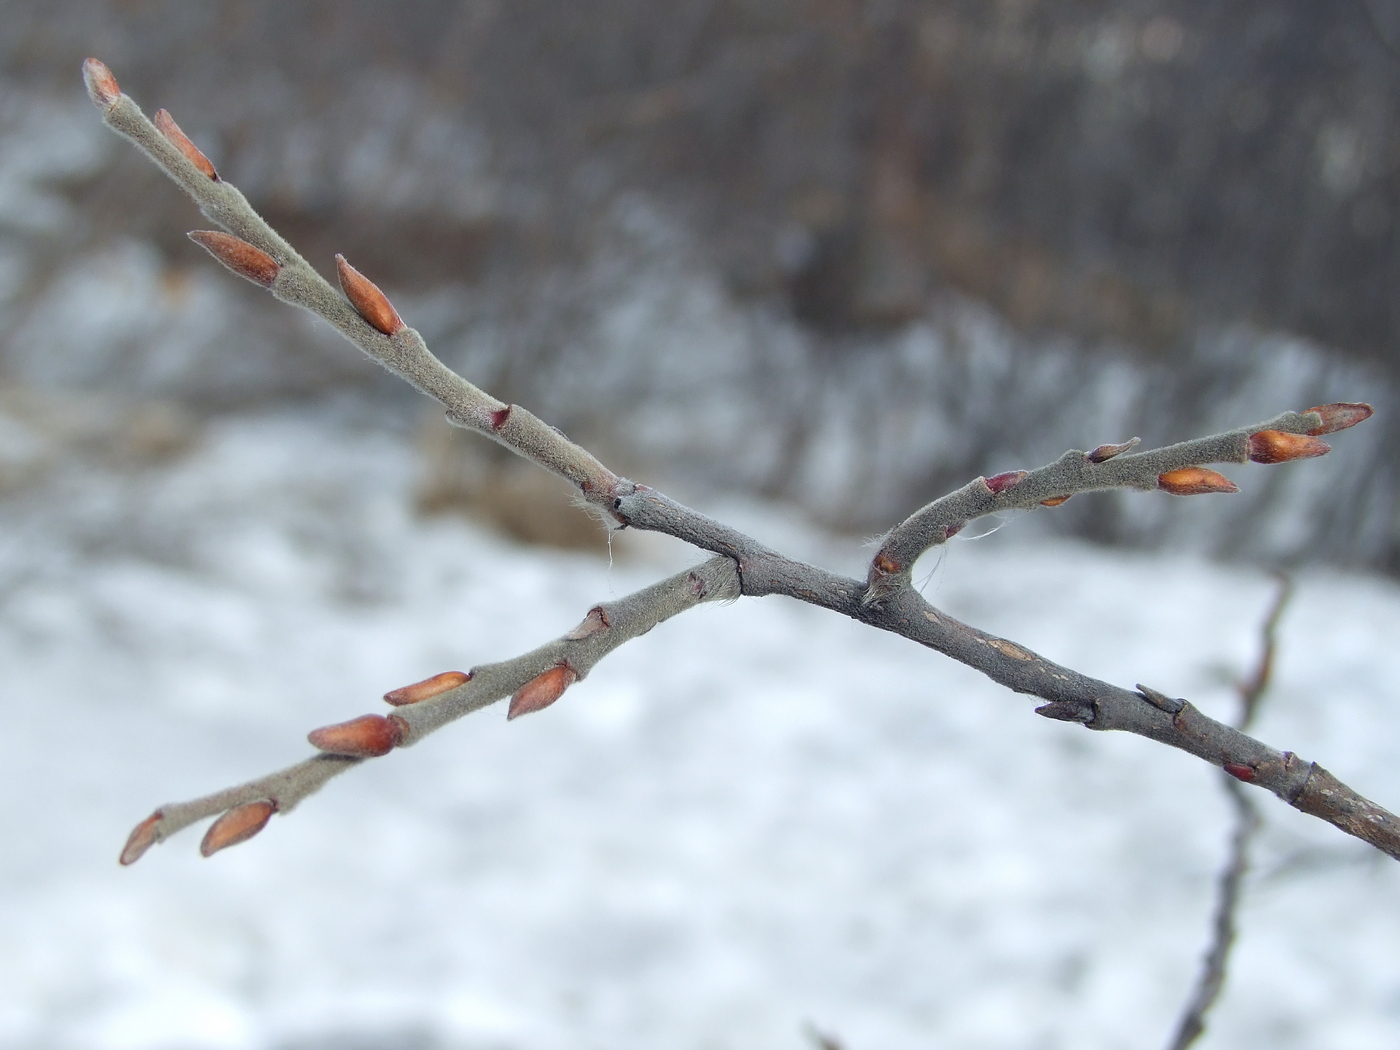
(1211, 979)
(534, 680)
(1176, 469)
(885, 599)
(252, 249)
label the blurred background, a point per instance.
(843, 254)
(805, 264)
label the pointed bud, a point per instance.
(166, 125)
(499, 417)
(142, 838)
(1066, 711)
(238, 255)
(1245, 773)
(541, 691)
(1194, 481)
(237, 825)
(365, 297)
(101, 85)
(368, 736)
(1107, 452)
(426, 689)
(1055, 501)
(1340, 416)
(597, 620)
(1275, 446)
(1001, 482)
(1172, 705)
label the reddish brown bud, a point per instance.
(1002, 482)
(366, 297)
(1275, 446)
(142, 838)
(101, 85)
(1245, 773)
(166, 125)
(953, 530)
(237, 825)
(1194, 481)
(1054, 501)
(541, 691)
(426, 689)
(368, 736)
(1107, 452)
(1340, 415)
(499, 417)
(238, 255)
(884, 563)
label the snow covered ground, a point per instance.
(756, 820)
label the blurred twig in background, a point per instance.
(1211, 980)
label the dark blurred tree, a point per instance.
(1121, 177)
(1123, 169)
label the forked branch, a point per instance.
(885, 599)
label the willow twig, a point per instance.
(885, 599)
(603, 629)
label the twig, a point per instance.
(1252, 689)
(820, 1040)
(885, 599)
(602, 630)
(1177, 469)
(1211, 979)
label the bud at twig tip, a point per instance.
(1340, 415)
(101, 85)
(372, 304)
(1005, 480)
(1194, 481)
(1276, 446)
(426, 689)
(166, 125)
(541, 691)
(238, 255)
(237, 825)
(368, 736)
(142, 838)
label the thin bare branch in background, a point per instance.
(820, 1040)
(886, 599)
(1252, 690)
(1211, 979)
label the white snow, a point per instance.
(757, 818)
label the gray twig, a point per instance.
(1211, 979)
(885, 599)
